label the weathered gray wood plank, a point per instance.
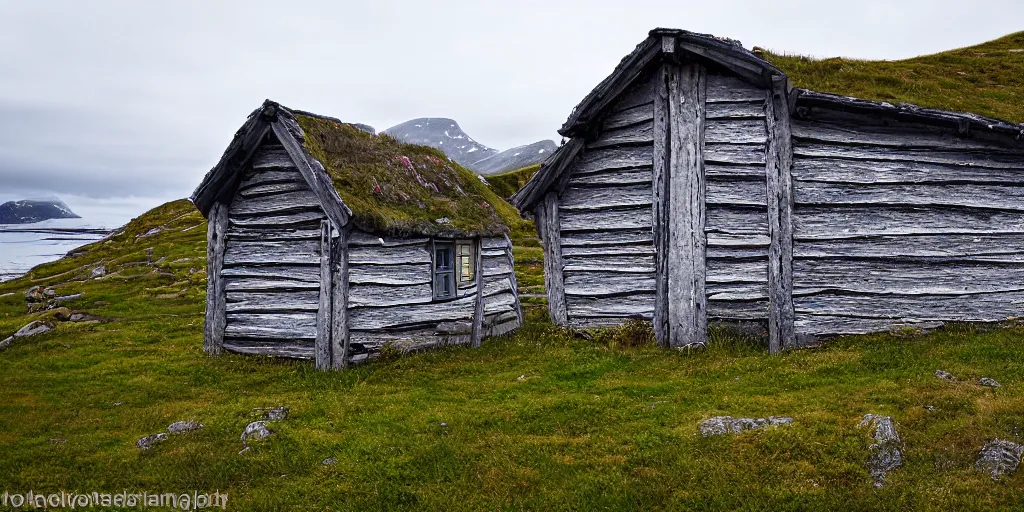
(687, 314)
(304, 273)
(273, 302)
(840, 170)
(267, 285)
(737, 291)
(265, 253)
(640, 249)
(363, 239)
(478, 312)
(660, 222)
(988, 307)
(743, 154)
(729, 88)
(214, 321)
(401, 255)
(339, 300)
(307, 220)
(640, 93)
(278, 326)
(721, 271)
(738, 221)
(284, 349)
(605, 220)
(605, 284)
(901, 137)
(497, 266)
(267, 177)
(630, 264)
(591, 199)
(640, 176)
(631, 116)
(607, 238)
(322, 345)
(614, 307)
(981, 247)
(781, 333)
(626, 136)
(396, 275)
(271, 189)
(830, 325)
(363, 318)
(738, 310)
(736, 193)
(378, 295)
(735, 172)
(813, 222)
(273, 204)
(1006, 197)
(613, 158)
(962, 158)
(735, 131)
(549, 220)
(743, 110)
(271, 235)
(273, 158)
(911, 277)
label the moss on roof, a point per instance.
(507, 183)
(986, 79)
(403, 189)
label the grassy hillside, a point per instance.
(507, 183)
(986, 79)
(541, 419)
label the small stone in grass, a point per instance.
(255, 430)
(181, 427)
(886, 454)
(151, 440)
(330, 462)
(989, 382)
(942, 374)
(999, 457)
(720, 425)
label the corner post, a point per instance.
(339, 302)
(478, 312)
(781, 314)
(554, 279)
(216, 300)
(322, 348)
(687, 242)
(660, 203)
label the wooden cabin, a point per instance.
(328, 243)
(697, 186)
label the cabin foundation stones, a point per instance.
(698, 186)
(328, 243)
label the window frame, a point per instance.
(460, 286)
(436, 272)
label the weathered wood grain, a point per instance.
(400, 255)
(638, 134)
(607, 284)
(738, 291)
(1006, 247)
(596, 199)
(363, 239)
(496, 266)
(813, 325)
(273, 302)
(630, 264)
(274, 204)
(215, 319)
(742, 240)
(814, 222)
(738, 309)
(839, 170)
(615, 177)
(899, 137)
(364, 318)
(258, 178)
(754, 271)
(641, 92)
(987, 307)
(628, 117)
(283, 349)
(610, 307)
(731, 173)
(909, 277)
(607, 238)
(307, 220)
(640, 249)
(613, 158)
(496, 285)
(625, 219)
(287, 129)
(339, 300)
(549, 220)
(495, 242)
(1005, 197)
(742, 110)
(728, 88)
(781, 333)
(395, 275)
(962, 158)
(735, 131)
(322, 345)
(736, 193)
(272, 157)
(478, 311)
(271, 235)
(740, 154)
(267, 285)
(378, 295)
(277, 326)
(304, 273)
(687, 312)
(731, 253)
(271, 189)
(265, 253)
(737, 220)
(500, 303)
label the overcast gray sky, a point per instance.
(106, 99)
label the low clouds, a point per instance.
(123, 98)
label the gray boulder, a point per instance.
(151, 440)
(942, 374)
(255, 431)
(182, 427)
(989, 382)
(99, 272)
(886, 452)
(720, 425)
(275, 413)
(999, 457)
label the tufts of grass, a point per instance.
(508, 183)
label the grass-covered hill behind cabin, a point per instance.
(542, 419)
(986, 79)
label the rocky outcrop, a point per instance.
(720, 425)
(999, 457)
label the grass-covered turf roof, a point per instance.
(403, 189)
(986, 79)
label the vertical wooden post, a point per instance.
(216, 302)
(554, 279)
(478, 312)
(660, 205)
(322, 347)
(512, 277)
(339, 301)
(781, 316)
(687, 242)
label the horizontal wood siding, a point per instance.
(735, 137)
(502, 312)
(605, 216)
(272, 260)
(903, 225)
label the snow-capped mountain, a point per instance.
(34, 210)
(446, 135)
(516, 158)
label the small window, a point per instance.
(444, 271)
(465, 264)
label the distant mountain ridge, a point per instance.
(446, 134)
(34, 210)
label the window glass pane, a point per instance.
(444, 271)
(465, 262)
(443, 286)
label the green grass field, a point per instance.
(541, 419)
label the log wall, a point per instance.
(899, 224)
